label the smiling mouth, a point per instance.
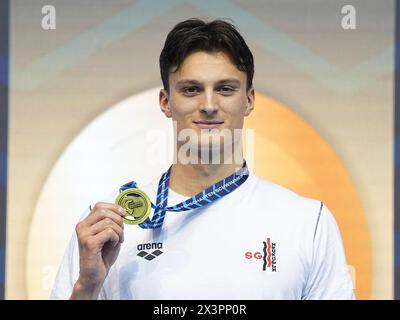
(208, 124)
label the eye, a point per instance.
(190, 91)
(226, 90)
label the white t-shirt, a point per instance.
(261, 241)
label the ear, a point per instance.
(164, 103)
(250, 101)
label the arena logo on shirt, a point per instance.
(267, 256)
(156, 246)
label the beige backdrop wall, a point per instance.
(102, 52)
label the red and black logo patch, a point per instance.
(267, 255)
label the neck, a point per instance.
(190, 179)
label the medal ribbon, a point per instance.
(207, 196)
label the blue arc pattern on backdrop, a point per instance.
(207, 196)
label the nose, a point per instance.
(209, 105)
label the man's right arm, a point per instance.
(91, 253)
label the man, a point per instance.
(233, 235)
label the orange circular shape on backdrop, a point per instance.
(291, 153)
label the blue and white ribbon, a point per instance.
(205, 197)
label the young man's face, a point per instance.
(207, 92)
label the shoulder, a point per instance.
(284, 202)
(283, 196)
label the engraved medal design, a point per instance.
(136, 204)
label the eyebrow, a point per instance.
(233, 82)
(188, 82)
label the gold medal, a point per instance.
(136, 204)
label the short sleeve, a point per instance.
(329, 276)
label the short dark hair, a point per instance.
(197, 35)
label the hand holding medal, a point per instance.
(100, 236)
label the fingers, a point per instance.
(107, 235)
(92, 244)
(103, 217)
(104, 210)
(99, 206)
(105, 224)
